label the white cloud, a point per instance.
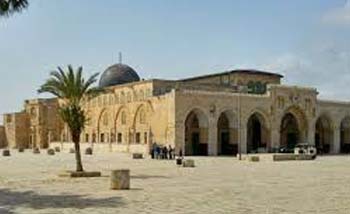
(339, 15)
(326, 69)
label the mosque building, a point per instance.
(215, 114)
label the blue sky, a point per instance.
(307, 41)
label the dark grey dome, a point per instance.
(118, 74)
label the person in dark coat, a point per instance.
(170, 151)
(165, 152)
(153, 150)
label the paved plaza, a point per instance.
(29, 184)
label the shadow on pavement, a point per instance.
(10, 200)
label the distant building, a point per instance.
(215, 114)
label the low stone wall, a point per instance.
(278, 157)
(103, 147)
(288, 157)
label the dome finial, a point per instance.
(120, 57)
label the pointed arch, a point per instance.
(141, 124)
(258, 133)
(121, 125)
(293, 127)
(324, 134)
(103, 126)
(227, 136)
(196, 132)
(345, 135)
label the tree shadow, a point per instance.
(10, 200)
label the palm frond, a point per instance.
(8, 7)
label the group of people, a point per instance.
(162, 152)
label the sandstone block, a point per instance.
(254, 158)
(51, 152)
(188, 163)
(137, 156)
(88, 151)
(36, 151)
(120, 179)
(6, 153)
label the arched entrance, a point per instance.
(345, 135)
(257, 134)
(227, 134)
(196, 133)
(323, 135)
(293, 129)
(290, 135)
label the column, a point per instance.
(336, 140)
(179, 138)
(311, 134)
(242, 140)
(212, 138)
(275, 138)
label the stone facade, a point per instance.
(36, 126)
(216, 114)
(3, 142)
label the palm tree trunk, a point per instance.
(76, 141)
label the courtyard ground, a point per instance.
(29, 184)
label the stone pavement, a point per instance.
(29, 184)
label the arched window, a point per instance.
(104, 100)
(141, 95)
(116, 98)
(111, 99)
(99, 101)
(122, 97)
(142, 116)
(129, 97)
(123, 118)
(259, 88)
(251, 86)
(105, 119)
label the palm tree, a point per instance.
(72, 89)
(8, 7)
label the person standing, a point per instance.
(165, 152)
(170, 152)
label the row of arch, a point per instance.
(119, 98)
(125, 127)
(293, 129)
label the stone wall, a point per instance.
(135, 120)
(17, 129)
(3, 142)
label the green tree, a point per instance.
(8, 7)
(72, 90)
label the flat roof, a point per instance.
(236, 71)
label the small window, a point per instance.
(145, 138)
(9, 119)
(102, 138)
(120, 136)
(86, 138)
(138, 137)
(251, 87)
